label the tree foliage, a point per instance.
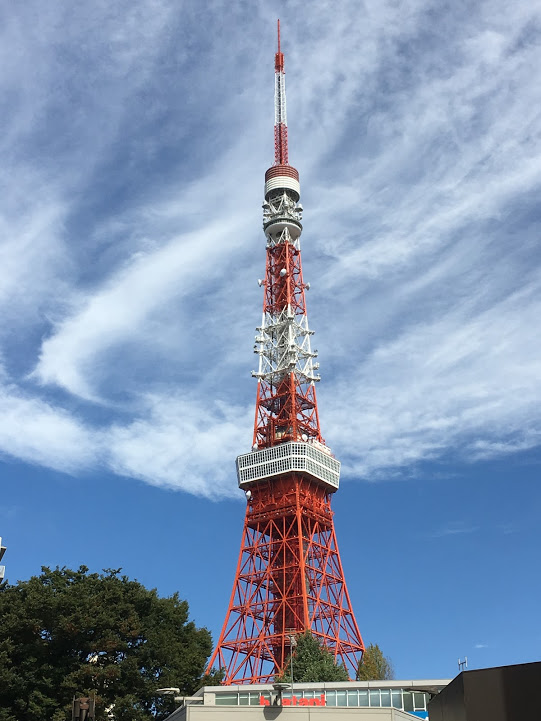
(374, 665)
(312, 662)
(67, 633)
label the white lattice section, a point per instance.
(306, 458)
(283, 346)
(280, 112)
(281, 205)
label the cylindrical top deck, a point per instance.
(282, 176)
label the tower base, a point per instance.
(289, 580)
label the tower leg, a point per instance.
(289, 580)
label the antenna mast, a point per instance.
(280, 114)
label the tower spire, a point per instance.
(279, 57)
(289, 575)
(280, 114)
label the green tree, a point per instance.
(73, 632)
(312, 662)
(374, 665)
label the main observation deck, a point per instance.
(312, 459)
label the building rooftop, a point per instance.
(382, 699)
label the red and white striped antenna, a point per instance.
(280, 114)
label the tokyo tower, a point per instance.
(289, 576)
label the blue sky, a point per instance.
(134, 141)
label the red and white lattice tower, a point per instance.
(289, 574)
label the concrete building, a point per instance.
(344, 701)
(504, 693)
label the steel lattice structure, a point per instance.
(289, 575)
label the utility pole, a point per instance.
(2, 568)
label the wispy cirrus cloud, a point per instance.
(44, 434)
(456, 528)
(119, 311)
(468, 381)
(130, 243)
(182, 445)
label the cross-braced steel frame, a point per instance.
(289, 579)
(286, 406)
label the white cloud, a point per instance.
(183, 444)
(130, 241)
(465, 381)
(38, 433)
(118, 312)
(455, 529)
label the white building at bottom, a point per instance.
(343, 701)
